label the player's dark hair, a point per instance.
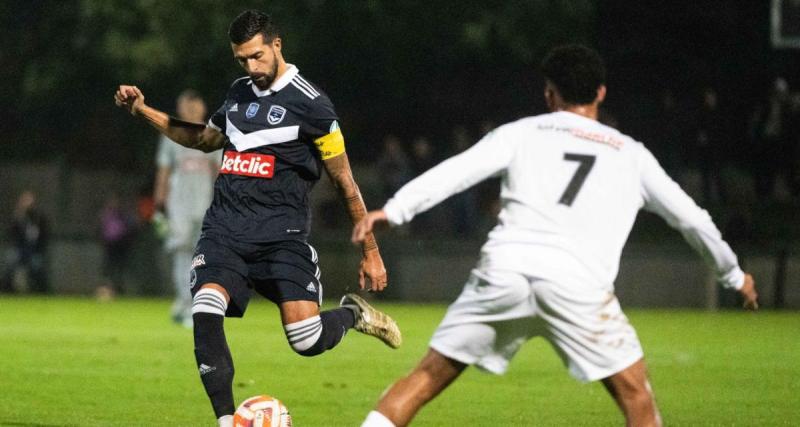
(250, 23)
(576, 71)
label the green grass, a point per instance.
(80, 362)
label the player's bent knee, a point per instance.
(210, 300)
(305, 336)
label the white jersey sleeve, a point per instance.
(665, 198)
(489, 156)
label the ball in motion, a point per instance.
(262, 411)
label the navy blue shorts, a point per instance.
(280, 271)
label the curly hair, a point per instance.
(576, 71)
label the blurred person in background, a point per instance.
(793, 140)
(463, 207)
(434, 222)
(710, 137)
(572, 188)
(669, 129)
(770, 125)
(29, 237)
(394, 165)
(422, 155)
(183, 190)
(116, 233)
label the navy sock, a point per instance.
(214, 361)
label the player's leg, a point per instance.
(407, 396)
(287, 273)
(311, 332)
(218, 284)
(485, 326)
(597, 342)
(214, 361)
(631, 390)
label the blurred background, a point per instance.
(713, 89)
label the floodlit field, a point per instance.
(79, 362)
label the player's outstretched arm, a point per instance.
(372, 267)
(188, 134)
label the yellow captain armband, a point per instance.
(330, 145)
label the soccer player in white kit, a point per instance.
(183, 189)
(571, 189)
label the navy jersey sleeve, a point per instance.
(321, 118)
(217, 120)
(322, 127)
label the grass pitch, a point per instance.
(77, 362)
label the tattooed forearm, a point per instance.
(342, 177)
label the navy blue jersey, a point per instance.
(270, 160)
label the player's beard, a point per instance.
(265, 80)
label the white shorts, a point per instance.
(498, 311)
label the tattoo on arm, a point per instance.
(338, 169)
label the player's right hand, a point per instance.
(130, 98)
(748, 291)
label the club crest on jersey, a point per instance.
(275, 114)
(252, 110)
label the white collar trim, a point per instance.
(278, 84)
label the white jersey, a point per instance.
(191, 180)
(571, 190)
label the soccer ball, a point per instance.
(262, 411)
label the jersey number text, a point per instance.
(575, 184)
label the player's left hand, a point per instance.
(372, 272)
(748, 292)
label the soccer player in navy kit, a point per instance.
(277, 131)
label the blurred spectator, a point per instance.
(422, 155)
(769, 125)
(463, 206)
(710, 137)
(670, 134)
(116, 233)
(183, 190)
(793, 138)
(394, 166)
(29, 237)
(433, 222)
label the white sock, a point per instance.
(376, 419)
(225, 421)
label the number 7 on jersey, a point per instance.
(586, 163)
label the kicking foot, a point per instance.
(373, 322)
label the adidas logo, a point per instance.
(235, 108)
(204, 369)
(311, 287)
